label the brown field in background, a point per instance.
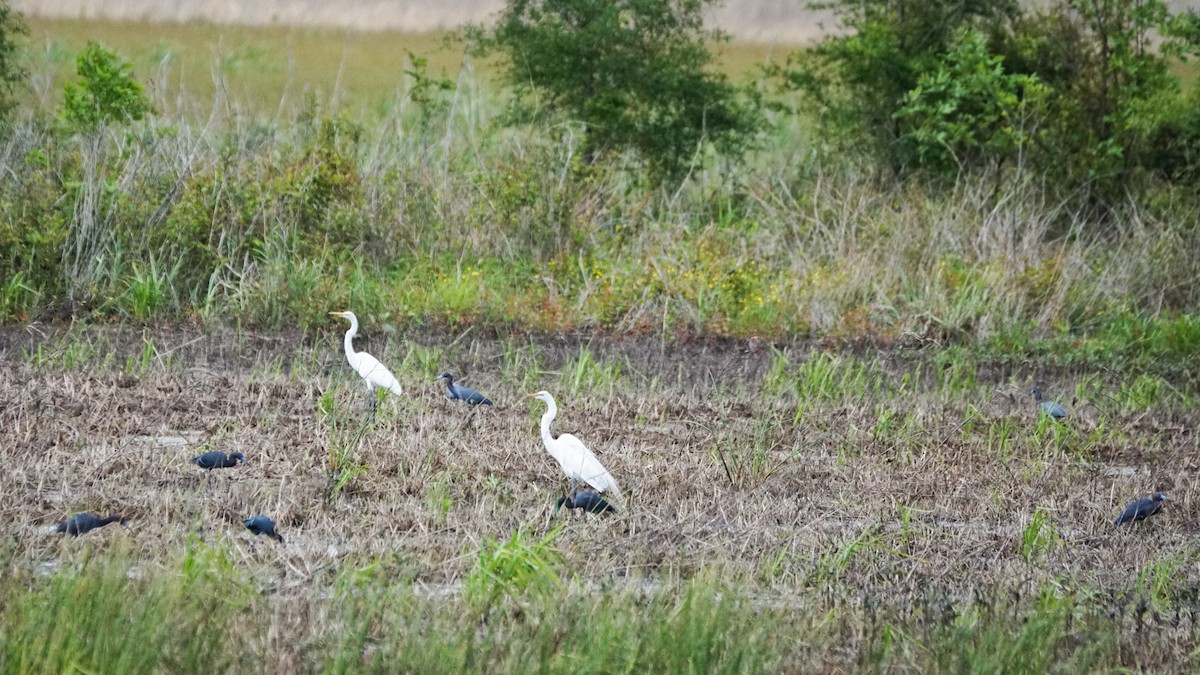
(717, 473)
(767, 21)
(195, 68)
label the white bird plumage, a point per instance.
(373, 373)
(572, 455)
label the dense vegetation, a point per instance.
(970, 185)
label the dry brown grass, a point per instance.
(769, 21)
(442, 478)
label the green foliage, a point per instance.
(106, 92)
(1075, 88)
(102, 618)
(524, 566)
(859, 79)
(344, 437)
(12, 75)
(1039, 536)
(747, 463)
(585, 375)
(636, 73)
(17, 297)
(427, 93)
(968, 111)
(1116, 98)
(995, 637)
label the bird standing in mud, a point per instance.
(86, 522)
(1141, 509)
(219, 460)
(373, 373)
(457, 392)
(572, 455)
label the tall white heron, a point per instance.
(374, 374)
(573, 456)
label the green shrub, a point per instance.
(636, 73)
(12, 75)
(107, 91)
(968, 111)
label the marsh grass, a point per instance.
(433, 213)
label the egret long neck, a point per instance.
(551, 411)
(350, 338)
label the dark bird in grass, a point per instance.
(1051, 408)
(457, 392)
(219, 460)
(263, 525)
(590, 502)
(1141, 509)
(86, 522)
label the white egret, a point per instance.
(573, 456)
(373, 373)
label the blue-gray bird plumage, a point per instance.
(1141, 509)
(457, 392)
(263, 525)
(218, 460)
(590, 502)
(1051, 408)
(86, 522)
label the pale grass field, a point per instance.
(267, 69)
(762, 21)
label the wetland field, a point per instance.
(803, 346)
(784, 507)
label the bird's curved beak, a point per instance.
(531, 395)
(337, 314)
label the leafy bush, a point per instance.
(859, 79)
(635, 73)
(107, 91)
(968, 111)
(12, 75)
(1080, 88)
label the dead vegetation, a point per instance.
(878, 476)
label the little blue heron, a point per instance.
(1051, 408)
(590, 502)
(86, 522)
(573, 456)
(1141, 509)
(263, 525)
(219, 460)
(457, 392)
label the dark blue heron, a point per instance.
(590, 502)
(457, 392)
(1051, 408)
(1141, 509)
(86, 522)
(263, 525)
(219, 460)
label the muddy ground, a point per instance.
(903, 490)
